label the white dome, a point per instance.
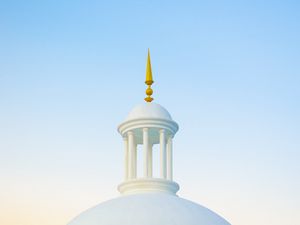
(149, 110)
(148, 209)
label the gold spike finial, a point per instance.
(149, 80)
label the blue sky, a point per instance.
(228, 72)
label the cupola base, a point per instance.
(144, 185)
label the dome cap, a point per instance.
(151, 115)
(149, 111)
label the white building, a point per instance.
(148, 200)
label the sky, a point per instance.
(227, 71)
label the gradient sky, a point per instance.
(227, 71)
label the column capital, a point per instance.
(129, 132)
(145, 129)
(162, 131)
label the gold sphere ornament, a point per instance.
(149, 91)
(149, 80)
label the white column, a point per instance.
(163, 158)
(150, 160)
(145, 149)
(134, 160)
(170, 159)
(131, 157)
(125, 139)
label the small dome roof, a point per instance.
(149, 209)
(149, 110)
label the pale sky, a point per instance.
(227, 71)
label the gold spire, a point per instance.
(149, 80)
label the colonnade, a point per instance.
(130, 146)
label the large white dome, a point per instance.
(148, 209)
(149, 110)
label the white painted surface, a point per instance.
(146, 154)
(149, 110)
(170, 159)
(163, 154)
(149, 209)
(146, 185)
(147, 125)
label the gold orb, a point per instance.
(149, 91)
